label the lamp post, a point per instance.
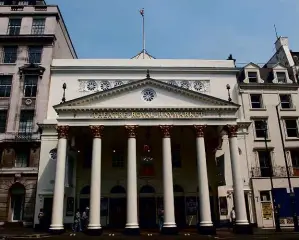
(292, 194)
(269, 161)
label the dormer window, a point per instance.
(281, 77)
(252, 77)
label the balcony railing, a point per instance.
(278, 171)
(22, 137)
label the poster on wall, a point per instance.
(223, 206)
(191, 205)
(104, 206)
(267, 210)
(70, 206)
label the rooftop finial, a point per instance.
(148, 76)
(63, 96)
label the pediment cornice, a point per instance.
(82, 102)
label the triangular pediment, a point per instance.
(252, 65)
(146, 93)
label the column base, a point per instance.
(132, 231)
(206, 230)
(169, 231)
(56, 231)
(94, 231)
(243, 229)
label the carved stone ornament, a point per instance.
(131, 129)
(165, 129)
(62, 131)
(97, 131)
(200, 130)
(232, 130)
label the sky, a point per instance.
(181, 29)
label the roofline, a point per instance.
(67, 32)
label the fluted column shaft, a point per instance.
(239, 200)
(169, 215)
(95, 188)
(203, 183)
(132, 227)
(58, 198)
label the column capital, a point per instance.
(232, 130)
(97, 130)
(200, 130)
(165, 129)
(63, 131)
(131, 129)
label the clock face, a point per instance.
(91, 85)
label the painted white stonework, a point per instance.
(164, 104)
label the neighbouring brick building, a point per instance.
(32, 33)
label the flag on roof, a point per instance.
(142, 12)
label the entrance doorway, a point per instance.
(117, 207)
(179, 206)
(17, 198)
(48, 205)
(147, 212)
(147, 207)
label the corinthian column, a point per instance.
(58, 198)
(205, 224)
(94, 226)
(169, 226)
(132, 227)
(242, 225)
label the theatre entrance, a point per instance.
(117, 207)
(147, 208)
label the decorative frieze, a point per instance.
(97, 131)
(148, 115)
(165, 129)
(96, 85)
(62, 131)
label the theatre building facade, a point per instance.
(130, 138)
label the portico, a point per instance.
(200, 113)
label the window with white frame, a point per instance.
(252, 77)
(30, 85)
(291, 127)
(14, 26)
(281, 77)
(285, 101)
(26, 121)
(265, 163)
(261, 128)
(256, 100)
(38, 26)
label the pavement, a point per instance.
(259, 234)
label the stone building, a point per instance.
(31, 35)
(130, 143)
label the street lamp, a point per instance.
(292, 194)
(269, 161)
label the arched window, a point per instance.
(118, 189)
(147, 189)
(177, 189)
(85, 190)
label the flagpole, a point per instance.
(143, 35)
